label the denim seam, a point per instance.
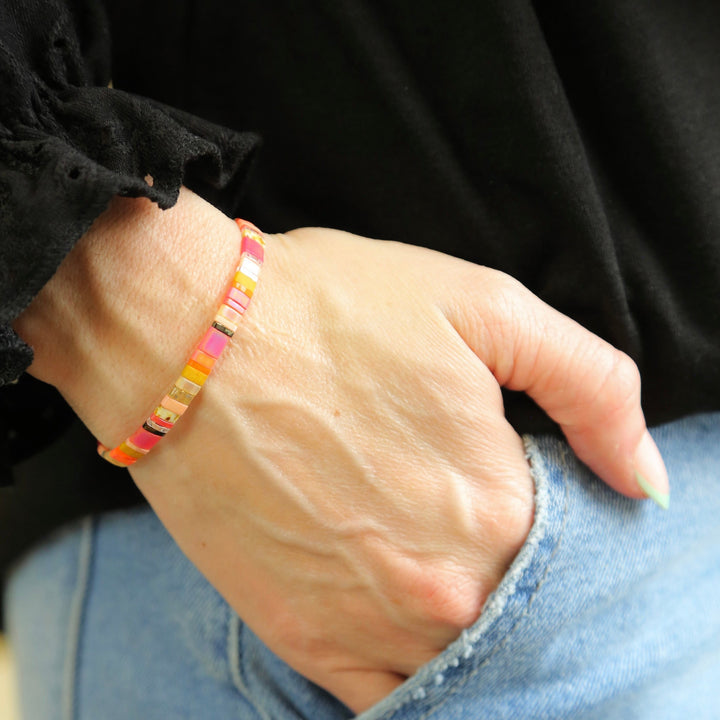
(496, 605)
(235, 626)
(75, 620)
(460, 682)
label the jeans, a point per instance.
(611, 610)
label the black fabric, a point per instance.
(32, 415)
(574, 145)
(68, 144)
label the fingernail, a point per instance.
(650, 472)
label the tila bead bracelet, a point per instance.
(201, 362)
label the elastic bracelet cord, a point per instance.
(201, 362)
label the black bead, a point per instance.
(223, 329)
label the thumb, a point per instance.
(591, 389)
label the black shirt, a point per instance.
(574, 145)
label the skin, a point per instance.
(346, 478)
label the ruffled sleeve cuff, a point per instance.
(65, 153)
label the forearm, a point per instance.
(114, 326)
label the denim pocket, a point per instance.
(426, 693)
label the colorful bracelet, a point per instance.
(201, 362)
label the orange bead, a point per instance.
(202, 361)
(121, 457)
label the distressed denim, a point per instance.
(611, 610)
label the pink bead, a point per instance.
(239, 297)
(229, 312)
(213, 342)
(252, 247)
(232, 304)
(144, 439)
(133, 446)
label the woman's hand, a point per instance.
(346, 478)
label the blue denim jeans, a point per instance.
(611, 610)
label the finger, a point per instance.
(591, 389)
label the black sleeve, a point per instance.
(69, 143)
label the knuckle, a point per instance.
(498, 317)
(621, 386)
(448, 599)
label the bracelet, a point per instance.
(204, 356)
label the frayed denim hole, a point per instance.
(496, 603)
(506, 607)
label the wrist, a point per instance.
(113, 327)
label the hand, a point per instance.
(347, 479)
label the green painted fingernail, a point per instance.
(660, 498)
